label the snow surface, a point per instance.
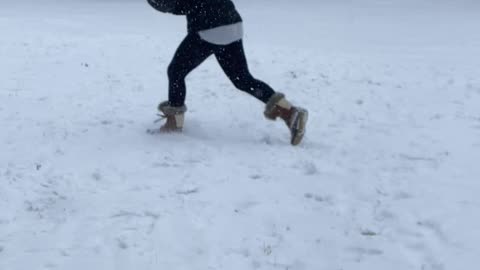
(387, 177)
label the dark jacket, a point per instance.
(201, 14)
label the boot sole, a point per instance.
(298, 127)
(161, 131)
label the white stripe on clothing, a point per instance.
(223, 35)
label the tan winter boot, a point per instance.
(295, 117)
(175, 117)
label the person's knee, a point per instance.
(240, 85)
(244, 83)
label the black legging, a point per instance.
(193, 51)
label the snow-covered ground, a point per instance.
(388, 176)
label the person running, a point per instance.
(215, 28)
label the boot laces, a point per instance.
(160, 118)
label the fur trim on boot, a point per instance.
(175, 117)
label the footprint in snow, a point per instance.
(402, 195)
(122, 244)
(188, 191)
(318, 198)
(365, 251)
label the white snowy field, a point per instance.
(388, 176)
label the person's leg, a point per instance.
(234, 63)
(189, 55)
